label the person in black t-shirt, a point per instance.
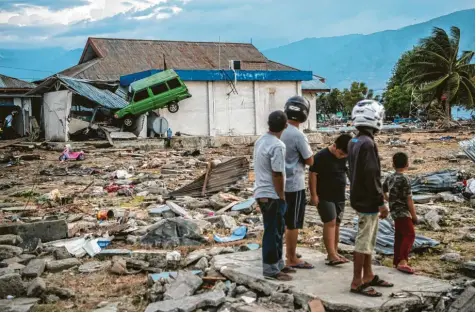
(327, 181)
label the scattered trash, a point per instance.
(104, 215)
(244, 206)
(237, 234)
(468, 148)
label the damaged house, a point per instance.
(13, 98)
(233, 86)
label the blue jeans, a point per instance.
(273, 213)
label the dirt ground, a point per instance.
(23, 184)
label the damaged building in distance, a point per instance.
(233, 85)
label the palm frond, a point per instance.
(465, 58)
(469, 91)
(455, 39)
(434, 84)
(452, 85)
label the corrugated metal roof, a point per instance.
(315, 84)
(102, 97)
(108, 59)
(8, 82)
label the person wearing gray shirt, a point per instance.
(298, 155)
(270, 177)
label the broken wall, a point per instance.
(56, 109)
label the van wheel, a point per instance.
(173, 107)
(129, 121)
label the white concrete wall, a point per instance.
(312, 120)
(56, 108)
(214, 110)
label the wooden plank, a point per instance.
(207, 176)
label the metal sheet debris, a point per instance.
(468, 148)
(223, 175)
(435, 182)
(385, 238)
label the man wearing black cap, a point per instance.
(270, 177)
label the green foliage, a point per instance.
(343, 101)
(397, 100)
(441, 70)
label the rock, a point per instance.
(177, 209)
(173, 259)
(248, 300)
(11, 284)
(218, 202)
(418, 161)
(11, 240)
(51, 299)
(220, 286)
(284, 299)
(94, 266)
(465, 302)
(36, 288)
(60, 265)
(222, 221)
(30, 232)
(469, 237)
(131, 239)
(35, 268)
(61, 253)
(194, 256)
(184, 285)
(62, 293)
(240, 289)
(202, 264)
(188, 304)
(7, 252)
(193, 203)
(6, 270)
(432, 218)
(155, 293)
(250, 294)
(25, 258)
(18, 304)
(155, 258)
(468, 268)
(118, 266)
(109, 307)
(136, 264)
(174, 232)
(451, 257)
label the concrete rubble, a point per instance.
(157, 251)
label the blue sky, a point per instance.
(270, 23)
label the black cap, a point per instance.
(277, 121)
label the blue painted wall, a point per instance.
(221, 75)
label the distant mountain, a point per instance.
(368, 58)
(35, 64)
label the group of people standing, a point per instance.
(280, 159)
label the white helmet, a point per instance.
(369, 113)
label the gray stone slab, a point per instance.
(7, 252)
(330, 284)
(11, 240)
(465, 302)
(184, 285)
(11, 284)
(30, 232)
(18, 304)
(59, 265)
(34, 268)
(188, 304)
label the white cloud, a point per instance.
(94, 10)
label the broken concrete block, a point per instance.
(177, 209)
(432, 218)
(155, 258)
(7, 252)
(18, 304)
(173, 259)
(109, 253)
(188, 304)
(11, 284)
(465, 302)
(109, 307)
(195, 255)
(30, 232)
(284, 299)
(60, 265)
(51, 299)
(174, 232)
(36, 288)
(35, 268)
(222, 221)
(184, 285)
(61, 253)
(94, 266)
(11, 240)
(468, 268)
(451, 257)
(136, 264)
(62, 293)
(202, 264)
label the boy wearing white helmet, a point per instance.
(366, 194)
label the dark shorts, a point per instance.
(329, 211)
(296, 202)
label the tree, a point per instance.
(438, 66)
(329, 103)
(358, 91)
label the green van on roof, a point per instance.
(164, 89)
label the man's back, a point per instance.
(364, 168)
(297, 149)
(268, 156)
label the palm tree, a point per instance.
(437, 67)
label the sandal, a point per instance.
(280, 276)
(406, 269)
(288, 270)
(335, 262)
(303, 266)
(377, 282)
(366, 290)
